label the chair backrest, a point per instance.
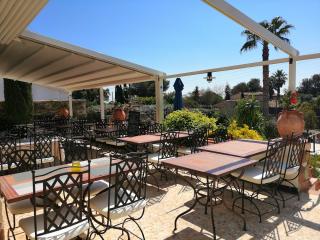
(8, 145)
(76, 150)
(168, 144)
(155, 128)
(20, 160)
(63, 185)
(43, 145)
(296, 152)
(198, 138)
(128, 181)
(274, 158)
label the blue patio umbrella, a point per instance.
(178, 87)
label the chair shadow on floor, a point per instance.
(229, 226)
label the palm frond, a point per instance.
(249, 45)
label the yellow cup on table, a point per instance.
(76, 166)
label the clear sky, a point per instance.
(180, 35)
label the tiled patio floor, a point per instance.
(299, 220)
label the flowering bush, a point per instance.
(289, 100)
(244, 132)
(185, 119)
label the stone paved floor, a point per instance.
(299, 220)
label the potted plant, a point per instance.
(290, 121)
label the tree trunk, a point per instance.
(265, 57)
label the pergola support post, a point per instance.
(292, 74)
(70, 105)
(159, 99)
(101, 91)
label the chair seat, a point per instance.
(154, 158)
(289, 171)
(156, 147)
(27, 225)
(97, 187)
(254, 175)
(184, 150)
(45, 160)
(24, 206)
(100, 204)
(21, 207)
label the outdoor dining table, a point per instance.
(213, 166)
(148, 138)
(17, 187)
(245, 148)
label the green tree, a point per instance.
(240, 88)
(209, 97)
(227, 92)
(91, 95)
(277, 80)
(119, 95)
(196, 94)
(169, 97)
(146, 89)
(280, 28)
(254, 85)
(18, 104)
(310, 85)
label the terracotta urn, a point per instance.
(290, 121)
(63, 112)
(119, 114)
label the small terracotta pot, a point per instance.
(290, 121)
(119, 114)
(63, 112)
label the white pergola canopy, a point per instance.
(37, 59)
(15, 17)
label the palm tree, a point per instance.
(280, 28)
(277, 80)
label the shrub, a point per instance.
(310, 117)
(185, 119)
(270, 129)
(248, 112)
(315, 164)
(244, 132)
(146, 100)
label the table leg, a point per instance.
(192, 206)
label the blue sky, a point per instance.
(179, 35)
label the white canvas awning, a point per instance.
(15, 17)
(41, 60)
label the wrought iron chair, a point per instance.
(292, 165)
(65, 215)
(17, 161)
(125, 196)
(8, 145)
(167, 149)
(78, 150)
(43, 144)
(198, 138)
(266, 177)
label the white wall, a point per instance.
(41, 93)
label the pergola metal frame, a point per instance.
(20, 13)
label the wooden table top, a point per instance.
(241, 148)
(208, 163)
(16, 187)
(147, 138)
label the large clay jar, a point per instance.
(119, 114)
(290, 122)
(63, 112)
